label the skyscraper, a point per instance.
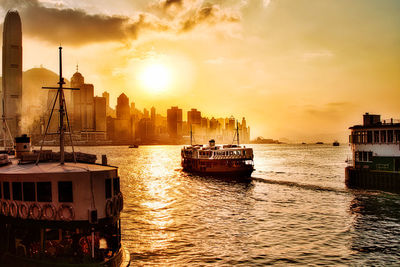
(174, 122)
(12, 71)
(194, 117)
(83, 104)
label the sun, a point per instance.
(155, 77)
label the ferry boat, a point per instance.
(58, 208)
(375, 149)
(232, 161)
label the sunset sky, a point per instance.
(305, 70)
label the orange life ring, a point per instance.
(23, 210)
(53, 213)
(35, 215)
(115, 205)
(13, 209)
(109, 208)
(64, 217)
(5, 208)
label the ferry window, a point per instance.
(397, 135)
(44, 192)
(17, 190)
(65, 192)
(376, 136)
(116, 185)
(383, 136)
(365, 156)
(108, 188)
(28, 191)
(369, 136)
(357, 156)
(390, 136)
(6, 190)
(370, 156)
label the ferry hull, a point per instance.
(369, 179)
(121, 259)
(228, 173)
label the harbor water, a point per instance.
(296, 210)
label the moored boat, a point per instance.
(56, 211)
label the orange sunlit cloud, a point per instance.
(302, 70)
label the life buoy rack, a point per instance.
(13, 209)
(109, 208)
(49, 212)
(23, 210)
(63, 216)
(5, 208)
(35, 211)
(115, 205)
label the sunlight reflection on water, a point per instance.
(297, 210)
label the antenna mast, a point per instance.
(63, 112)
(237, 131)
(236, 135)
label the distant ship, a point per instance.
(376, 154)
(58, 208)
(232, 161)
(336, 143)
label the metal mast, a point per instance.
(236, 135)
(237, 131)
(63, 112)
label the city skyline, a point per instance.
(94, 121)
(303, 71)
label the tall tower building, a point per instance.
(83, 104)
(153, 115)
(174, 122)
(12, 71)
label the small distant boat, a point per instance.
(133, 146)
(304, 143)
(319, 143)
(336, 143)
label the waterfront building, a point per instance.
(375, 154)
(122, 124)
(83, 104)
(153, 115)
(174, 122)
(146, 113)
(12, 71)
(194, 118)
(123, 109)
(100, 113)
(109, 110)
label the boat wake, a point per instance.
(300, 185)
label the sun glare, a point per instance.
(155, 78)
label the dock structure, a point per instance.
(375, 154)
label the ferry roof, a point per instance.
(52, 167)
(375, 126)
